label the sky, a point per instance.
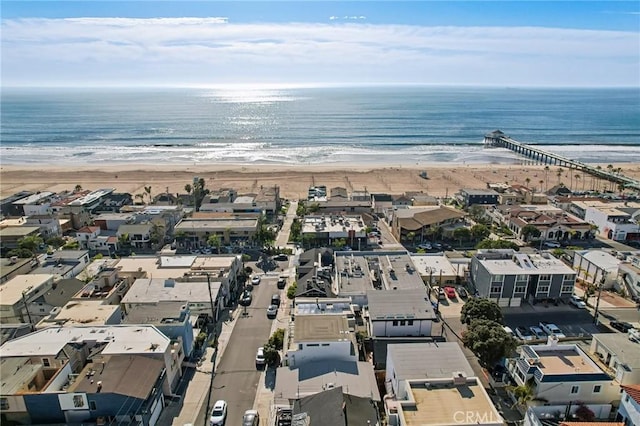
(308, 43)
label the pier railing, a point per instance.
(499, 139)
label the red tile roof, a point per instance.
(633, 391)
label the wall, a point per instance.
(629, 410)
(561, 392)
(336, 351)
(387, 329)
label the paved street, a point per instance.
(236, 377)
(283, 236)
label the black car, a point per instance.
(621, 326)
(282, 283)
(281, 257)
(246, 298)
(462, 292)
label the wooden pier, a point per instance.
(499, 139)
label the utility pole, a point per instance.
(596, 311)
(26, 307)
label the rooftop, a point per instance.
(433, 266)
(428, 360)
(446, 403)
(119, 339)
(329, 328)
(333, 224)
(216, 224)
(11, 291)
(133, 376)
(618, 343)
(18, 231)
(33, 199)
(359, 272)
(480, 191)
(561, 362)
(600, 258)
(81, 312)
(400, 304)
(153, 290)
(523, 264)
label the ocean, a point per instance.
(368, 125)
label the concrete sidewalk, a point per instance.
(194, 400)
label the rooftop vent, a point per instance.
(459, 378)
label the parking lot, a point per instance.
(572, 322)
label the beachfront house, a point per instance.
(509, 277)
(328, 230)
(472, 196)
(231, 229)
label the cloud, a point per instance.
(203, 51)
(347, 18)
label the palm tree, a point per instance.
(541, 187)
(188, 188)
(523, 393)
(546, 176)
(78, 188)
(577, 180)
(559, 173)
(527, 181)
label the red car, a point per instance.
(451, 292)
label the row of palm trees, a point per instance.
(595, 180)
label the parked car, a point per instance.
(255, 280)
(272, 311)
(218, 413)
(439, 292)
(275, 299)
(424, 246)
(451, 292)
(577, 302)
(251, 418)
(245, 298)
(537, 332)
(260, 361)
(282, 283)
(621, 326)
(551, 328)
(634, 335)
(280, 257)
(552, 244)
(523, 333)
(462, 292)
(509, 331)
(437, 246)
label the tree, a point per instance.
(480, 309)
(411, 236)
(31, 243)
(527, 181)
(339, 243)
(497, 244)
(584, 413)
(277, 339)
(296, 230)
(559, 173)
(529, 231)
(546, 176)
(188, 188)
(480, 231)
(302, 209)
(214, 241)
(523, 393)
(488, 340)
(291, 291)
(199, 192)
(55, 242)
(541, 182)
(21, 253)
(78, 188)
(462, 233)
(477, 213)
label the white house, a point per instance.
(629, 410)
(86, 234)
(595, 265)
(394, 313)
(320, 338)
(619, 354)
(562, 374)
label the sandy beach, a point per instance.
(293, 180)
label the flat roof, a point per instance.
(119, 339)
(429, 265)
(153, 290)
(323, 305)
(91, 197)
(526, 264)
(16, 374)
(358, 272)
(82, 312)
(217, 224)
(400, 304)
(600, 258)
(479, 191)
(329, 328)
(626, 351)
(11, 291)
(31, 199)
(428, 360)
(560, 361)
(133, 376)
(18, 231)
(448, 404)
(333, 223)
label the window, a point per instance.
(395, 323)
(521, 278)
(4, 404)
(312, 345)
(569, 277)
(45, 362)
(520, 288)
(543, 288)
(78, 402)
(597, 389)
(497, 278)
(496, 289)
(410, 322)
(402, 323)
(567, 289)
(92, 405)
(575, 389)
(545, 277)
